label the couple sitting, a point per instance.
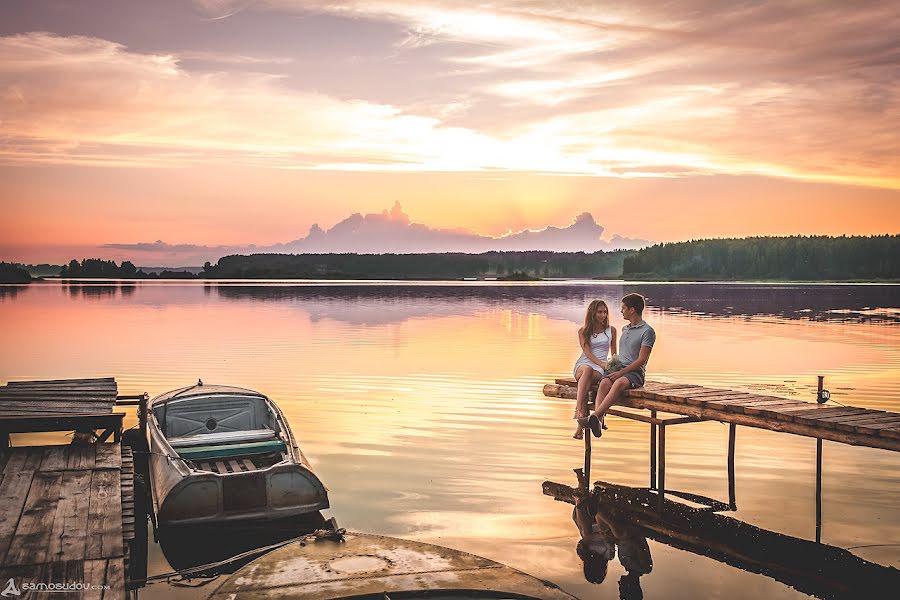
(621, 372)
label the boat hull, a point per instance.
(186, 493)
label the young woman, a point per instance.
(596, 340)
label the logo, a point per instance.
(10, 589)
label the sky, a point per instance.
(162, 131)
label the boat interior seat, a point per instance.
(232, 450)
(224, 437)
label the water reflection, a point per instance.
(845, 303)
(611, 516)
(10, 292)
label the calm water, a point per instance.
(420, 405)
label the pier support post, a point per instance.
(818, 490)
(587, 459)
(661, 482)
(732, 503)
(653, 450)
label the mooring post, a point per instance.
(653, 450)
(732, 503)
(818, 490)
(661, 487)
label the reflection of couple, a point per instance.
(596, 339)
(601, 532)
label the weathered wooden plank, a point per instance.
(108, 456)
(88, 381)
(712, 399)
(867, 414)
(95, 576)
(249, 465)
(768, 410)
(104, 516)
(32, 537)
(81, 456)
(235, 466)
(55, 458)
(878, 422)
(13, 493)
(220, 467)
(68, 539)
(678, 394)
(891, 432)
(817, 414)
(115, 579)
(889, 441)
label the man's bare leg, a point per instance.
(614, 395)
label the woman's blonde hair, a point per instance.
(591, 326)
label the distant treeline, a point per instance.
(95, 268)
(506, 265)
(13, 273)
(795, 258)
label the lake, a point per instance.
(420, 404)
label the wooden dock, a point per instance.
(850, 425)
(66, 511)
(686, 403)
(61, 518)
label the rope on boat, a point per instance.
(319, 534)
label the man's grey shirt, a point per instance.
(633, 337)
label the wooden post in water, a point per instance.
(653, 451)
(732, 503)
(587, 458)
(819, 490)
(661, 482)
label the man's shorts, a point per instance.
(635, 378)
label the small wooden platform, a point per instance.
(61, 518)
(850, 425)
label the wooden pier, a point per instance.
(675, 404)
(66, 511)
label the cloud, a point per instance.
(392, 231)
(794, 89)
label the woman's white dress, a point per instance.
(599, 347)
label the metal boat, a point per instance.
(220, 453)
(361, 566)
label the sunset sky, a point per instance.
(230, 123)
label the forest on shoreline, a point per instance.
(794, 258)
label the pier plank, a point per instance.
(89, 381)
(94, 575)
(81, 456)
(108, 456)
(104, 516)
(55, 458)
(68, 538)
(13, 493)
(32, 537)
(115, 577)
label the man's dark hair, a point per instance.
(635, 301)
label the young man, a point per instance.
(635, 346)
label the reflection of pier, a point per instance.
(813, 568)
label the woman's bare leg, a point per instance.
(584, 376)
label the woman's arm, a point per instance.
(613, 348)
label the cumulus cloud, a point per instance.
(392, 231)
